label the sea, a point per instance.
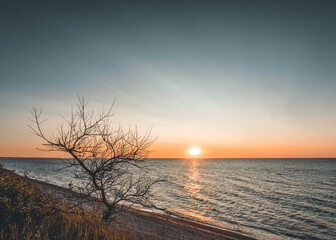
(263, 198)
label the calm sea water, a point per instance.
(264, 198)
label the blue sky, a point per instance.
(225, 75)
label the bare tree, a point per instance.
(106, 161)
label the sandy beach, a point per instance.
(150, 225)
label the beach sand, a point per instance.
(150, 225)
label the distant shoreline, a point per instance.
(146, 224)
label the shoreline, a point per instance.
(151, 225)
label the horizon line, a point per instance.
(200, 158)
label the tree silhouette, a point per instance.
(105, 160)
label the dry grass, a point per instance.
(27, 213)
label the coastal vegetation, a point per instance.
(29, 213)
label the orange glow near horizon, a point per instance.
(180, 150)
(261, 150)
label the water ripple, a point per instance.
(264, 198)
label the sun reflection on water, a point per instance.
(194, 186)
(193, 183)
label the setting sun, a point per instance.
(194, 151)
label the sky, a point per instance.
(235, 78)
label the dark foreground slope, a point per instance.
(26, 212)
